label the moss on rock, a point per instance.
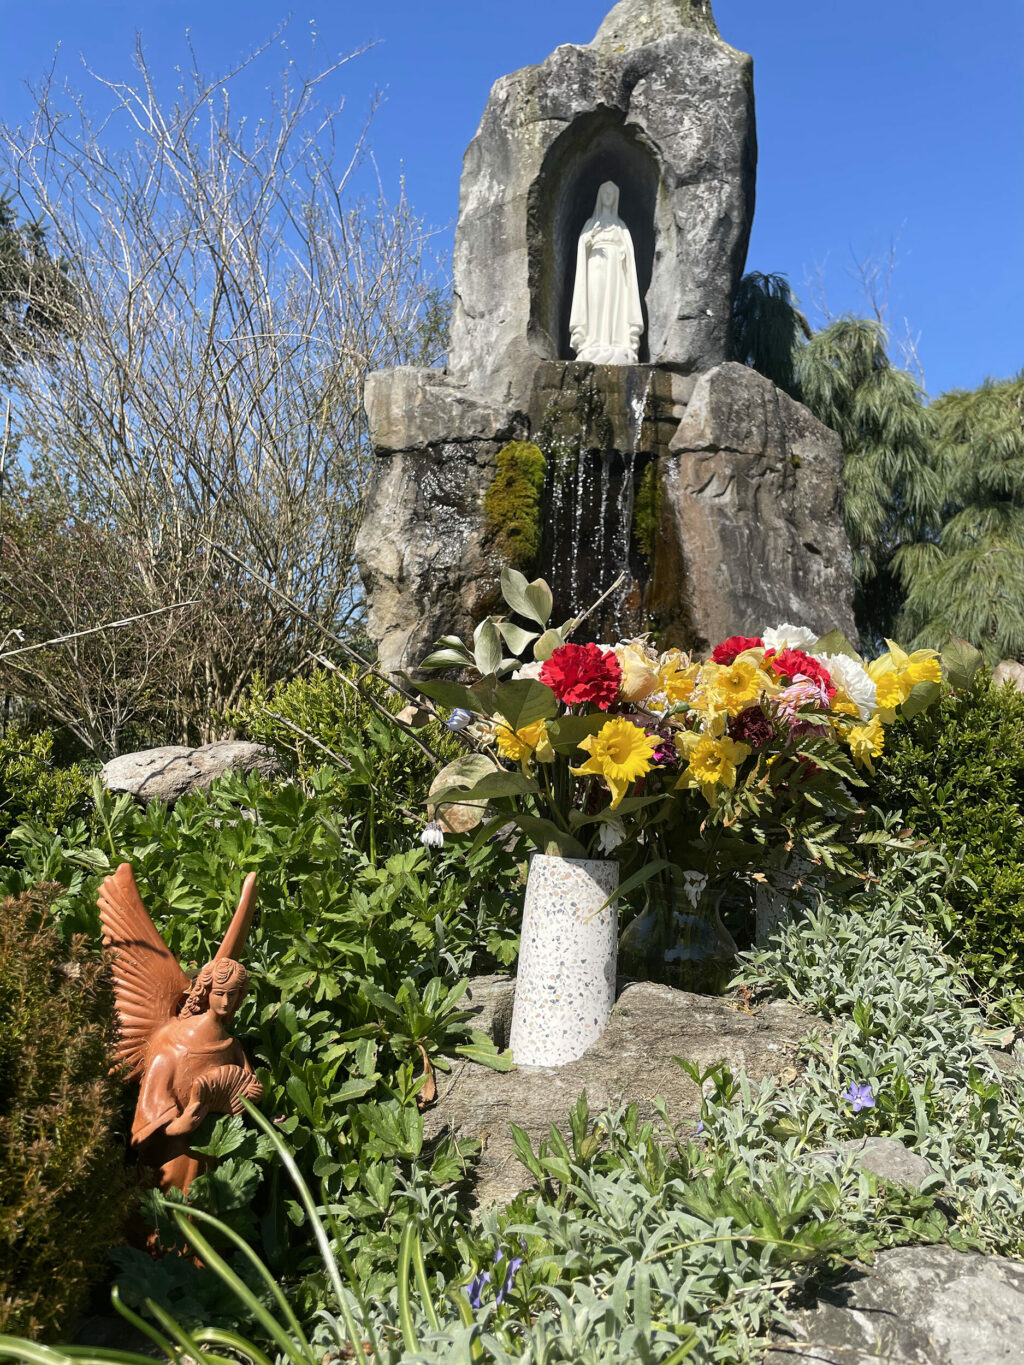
(513, 503)
(646, 511)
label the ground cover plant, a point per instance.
(690, 1245)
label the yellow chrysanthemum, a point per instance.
(620, 752)
(678, 677)
(532, 741)
(712, 763)
(866, 742)
(639, 673)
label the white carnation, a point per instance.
(852, 677)
(789, 637)
(528, 671)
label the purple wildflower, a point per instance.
(510, 1275)
(476, 1288)
(859, 1096)
(459, 719)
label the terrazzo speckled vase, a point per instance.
(565, 986)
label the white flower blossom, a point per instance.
(852, 677)
(530, 672)
(433, 835)
(789, 636)
(611, 833)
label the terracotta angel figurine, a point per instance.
(173, 1032)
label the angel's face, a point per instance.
(224, 1001)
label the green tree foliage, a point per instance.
(893, 491)
(768, 330)
(956, 773)
(971, 581)
(63, 1190)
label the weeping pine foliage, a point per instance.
(893, 493)
(970, 580)
(768, 329)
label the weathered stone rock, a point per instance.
(490, 1000)
(1009, 671)
(929, 1305)
(885, 1157)
(407, 409)
(750, 527)
(663, 109)
(423, 549)
(751, 516)
(649, 1026)
(169, 773)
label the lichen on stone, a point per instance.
(513, 503)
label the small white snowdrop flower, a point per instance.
(432, 836)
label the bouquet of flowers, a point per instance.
(660, 758)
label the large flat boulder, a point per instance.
(169, 773)
(632, 1061)
(927, 1305)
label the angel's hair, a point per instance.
(225, 973)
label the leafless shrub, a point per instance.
(230, 296)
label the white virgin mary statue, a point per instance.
(606, 321)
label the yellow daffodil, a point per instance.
(866, 742)
(532, 741)
(678, 677)
(896, 673)
(639, 672)
(620, 752)
(724, 692)
(713, 763)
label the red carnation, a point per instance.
(787, 663)
(730, 649)
(577, 673)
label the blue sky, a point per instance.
(879, 122)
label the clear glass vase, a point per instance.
(678, 938)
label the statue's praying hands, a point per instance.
(173, 1032)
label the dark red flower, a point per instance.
(752, 727)
(787, 663)
(730, 649)
(578, 673)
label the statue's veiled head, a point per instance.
(219, 988)
(607, 207)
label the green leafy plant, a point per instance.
(955, 774)
(33, 786)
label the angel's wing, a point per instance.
(238, 929)
(148, 981)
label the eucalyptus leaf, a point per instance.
(447, 693)
(492, 786)
(448, 658)
(567, 732)
(487, 653)
(547, 644)
(517, 639)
